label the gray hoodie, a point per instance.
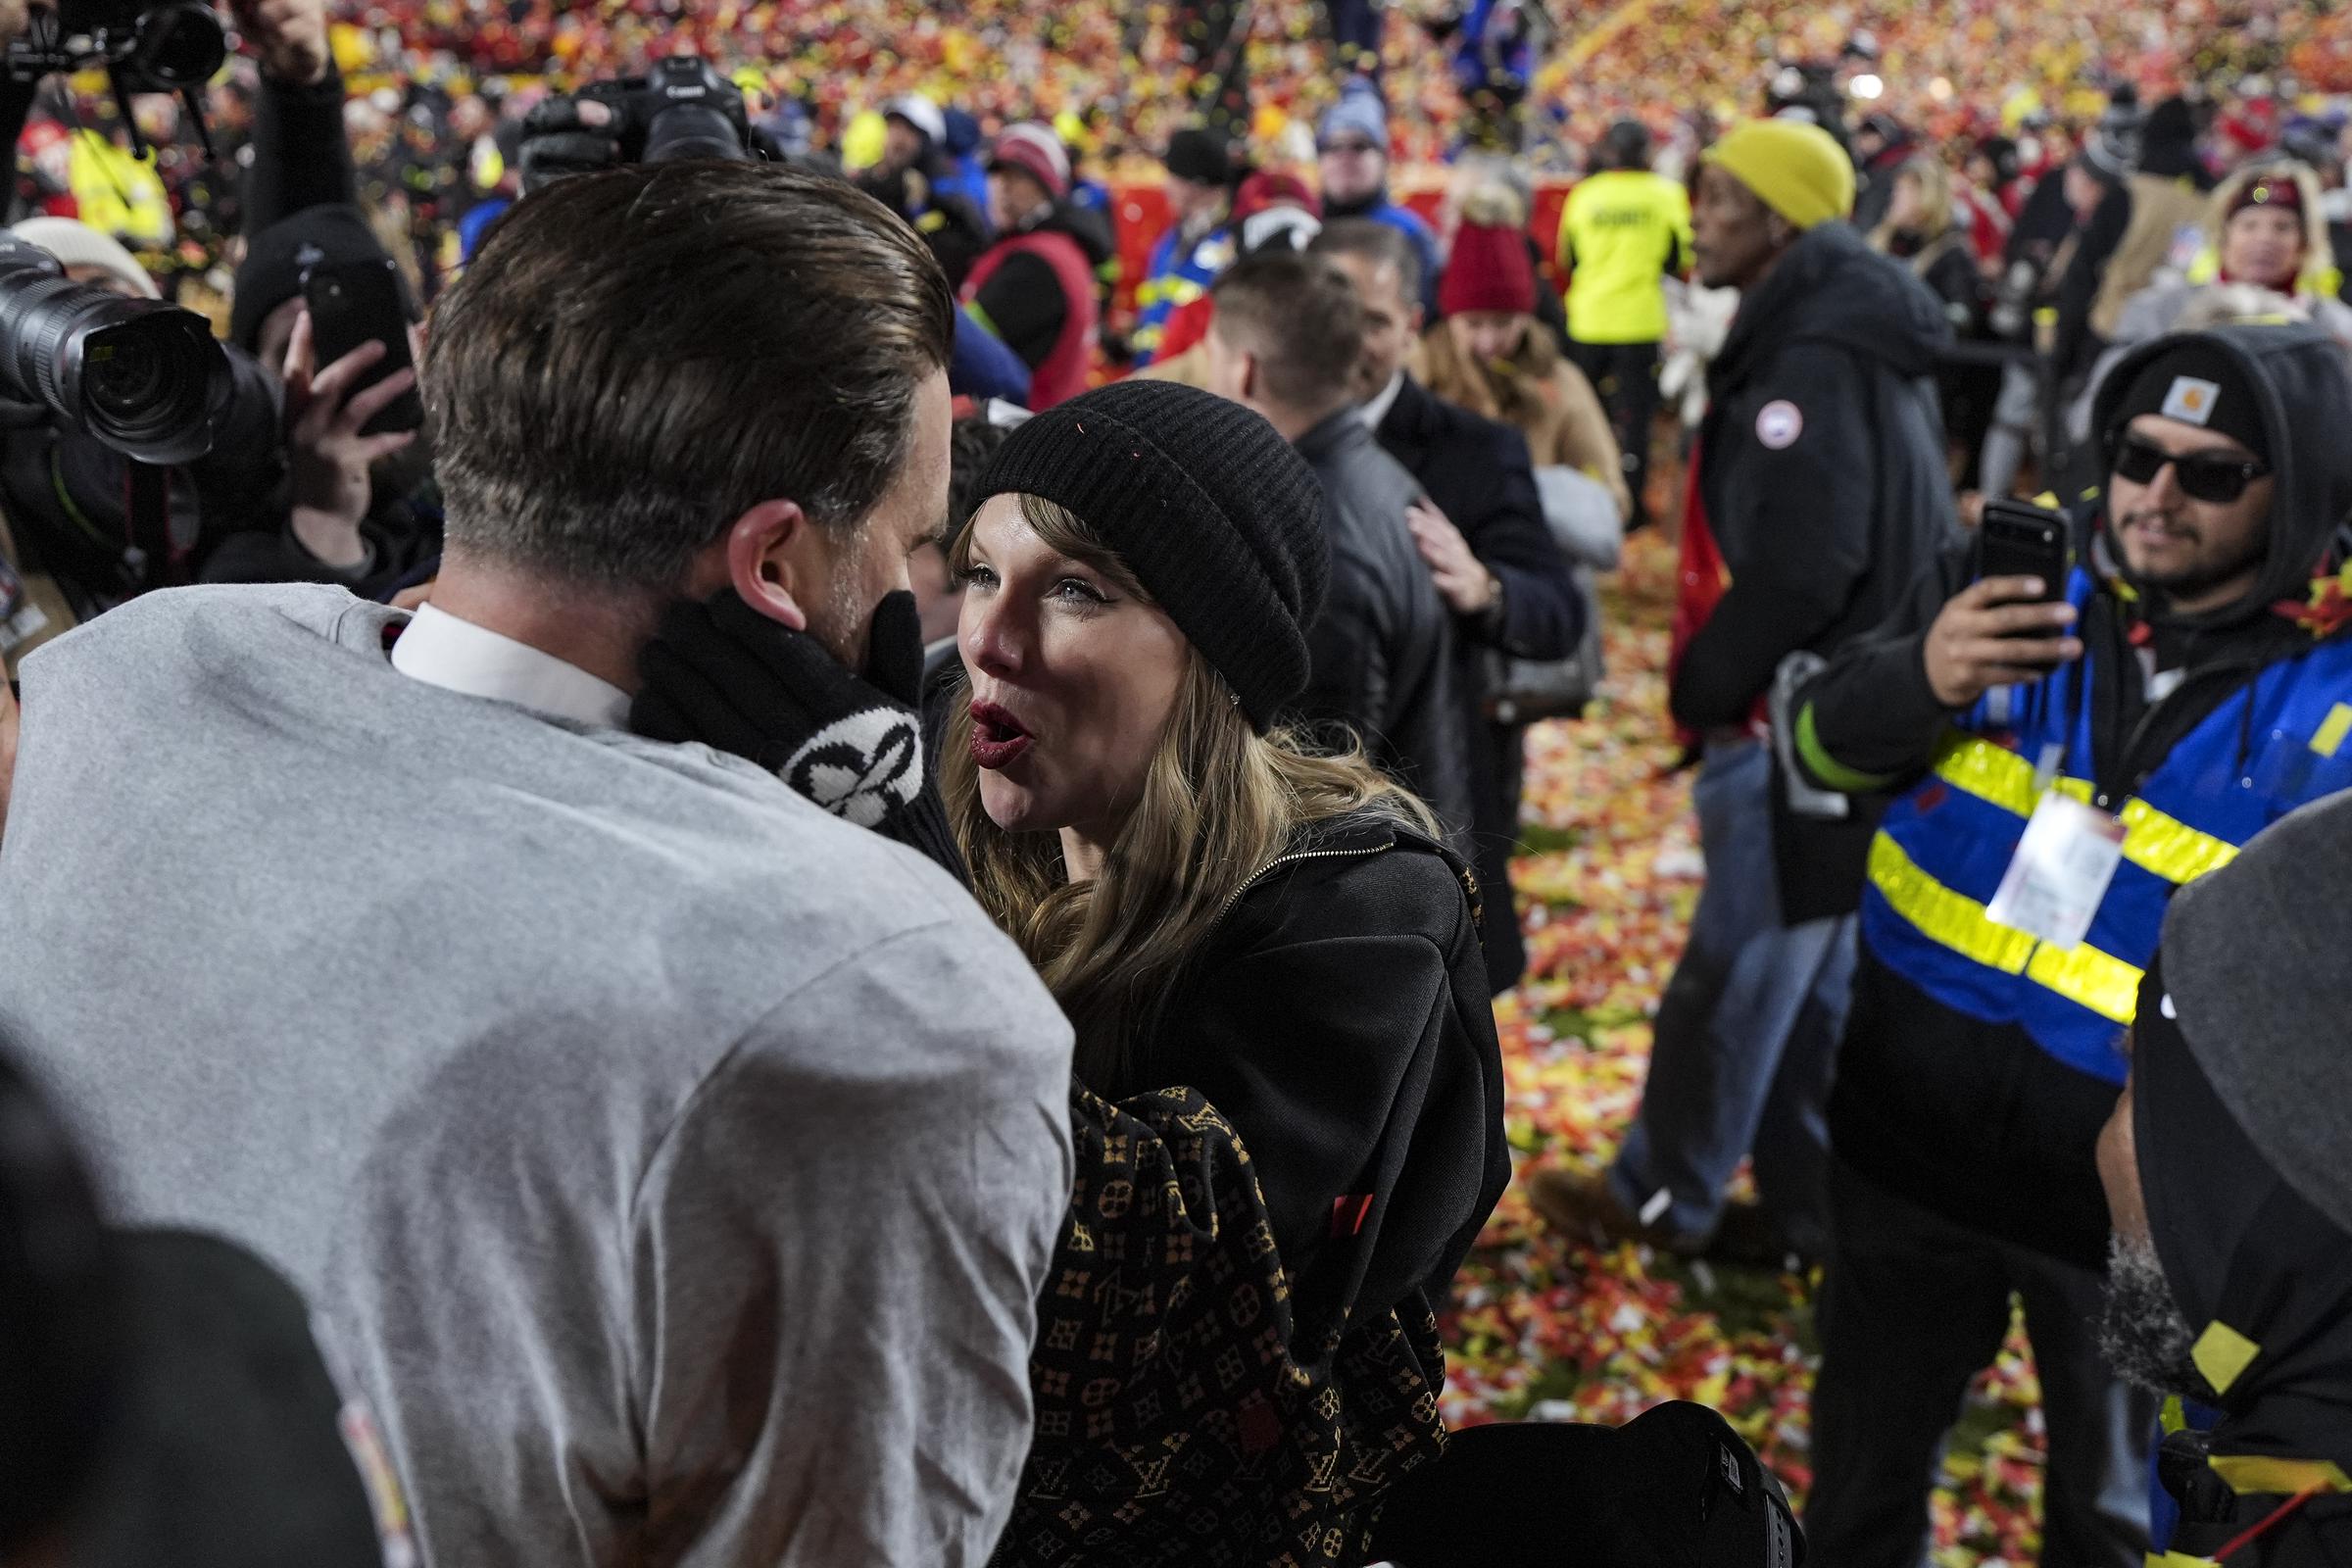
(673, 1166)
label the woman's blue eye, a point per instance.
(978, 576)
(1077, 588)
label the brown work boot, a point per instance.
(1586, 1208)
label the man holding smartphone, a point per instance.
(2065, 751)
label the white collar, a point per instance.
(444, 650)
(1384, 400)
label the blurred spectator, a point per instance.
(1479, 526)
(1035, 287)
(2263, 227)
(1287, 342)
(1624, 232)
(1919, 230)
(1819, 494)
(1199, 244)
(1353, 151)
(1489, 355)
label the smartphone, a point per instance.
(2018, 539)
(353, 303)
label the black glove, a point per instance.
(721, 674)
(557, 141)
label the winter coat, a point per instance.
(1381, 654)
(1035, 289)
(1822, 478)
(1204, 1398)
(1965, 1111)
(1476, 473)
(1557, 411)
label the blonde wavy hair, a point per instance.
(1934, 202)
(1220, 803)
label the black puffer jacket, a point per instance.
(1382, 658)
(1822, 470)
(1341, 1021)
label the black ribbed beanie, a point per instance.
(1208, 506)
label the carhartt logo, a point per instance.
(2192, 399)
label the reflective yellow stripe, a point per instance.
(2083, 975)
(2107, 986)
(1955, 919)
(1182, 291)
(2153, 840)
(2330, 738)
(2262, 1475)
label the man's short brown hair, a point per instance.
(639, 357)
(1298, 313)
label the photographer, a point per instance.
(2148, 714)
(267, 500)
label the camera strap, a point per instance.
(155, 560)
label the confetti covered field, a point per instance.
(1550, 1330)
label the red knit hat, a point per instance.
(2278, 190)
(1490, 269)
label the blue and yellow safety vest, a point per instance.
(1179, 274)
(1942, 849)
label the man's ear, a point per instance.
(769, 560)
(1420, 321)
(1251, 382)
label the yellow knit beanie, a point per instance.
(1795, 168)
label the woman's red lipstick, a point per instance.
(999, 739)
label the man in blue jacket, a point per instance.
(2187, 685)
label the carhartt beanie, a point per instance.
(1796, 169)
(1207, 505)
(2249, 955)
(2200, 382)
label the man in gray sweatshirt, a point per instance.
(674, 1166)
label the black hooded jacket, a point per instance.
(1823, 474)
(2241, 1247)
(1973, 1120)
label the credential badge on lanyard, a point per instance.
(2062, 863)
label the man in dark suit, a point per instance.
(1480, 530)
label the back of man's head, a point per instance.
(1298, 314)
(1378, 243)
(638, 357)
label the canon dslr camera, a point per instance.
(682, 108)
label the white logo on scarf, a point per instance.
(861, 767)
(1778, 424)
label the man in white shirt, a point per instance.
(674, 1165)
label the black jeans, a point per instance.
(1911, 1309)
(1626, 375)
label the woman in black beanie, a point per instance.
(1215, 903)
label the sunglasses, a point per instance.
(1354, 148)
(2205, 476)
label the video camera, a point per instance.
(682, 108)
(140, 375)
(172, 46)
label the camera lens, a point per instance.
(179, 46)
(690, 131)
(137, 374)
